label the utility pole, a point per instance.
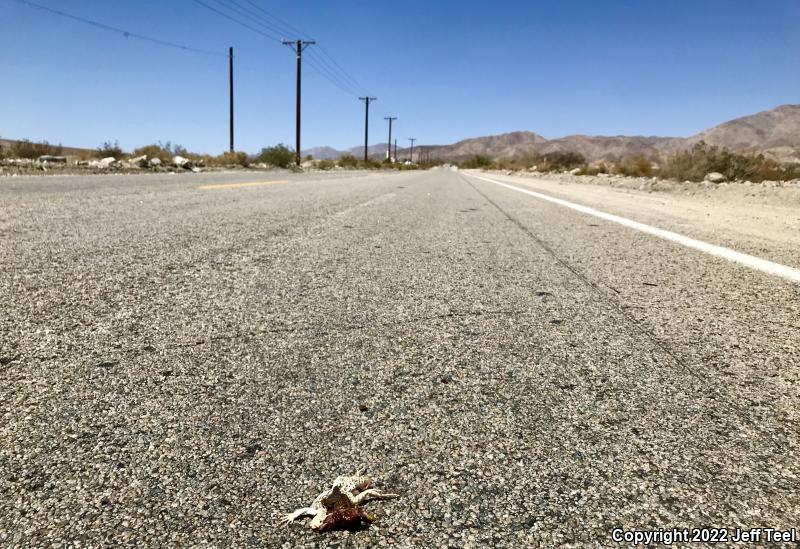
(230, 58)
(298, 46)
(389, 151)
(366, 101)
(395, 149)
(412, 139)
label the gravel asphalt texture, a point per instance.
(179, 366)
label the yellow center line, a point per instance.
(240, 185)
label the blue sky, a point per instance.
(448, 69)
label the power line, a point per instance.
(327, 65)
(292, 29)
(327, 69)
(323, 71)
(355, 90)
(348, 78)
(344, 72)
(123, 32)
(242, 11)
(230, 18)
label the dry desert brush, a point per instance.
(29, 149)
(636, 165)
(694, 164)
(279, 156)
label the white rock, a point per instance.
(576, 171)
(140, 161)
(107, 162)
(53, 159)
(154, 162)
(181, 162)
(715, 177)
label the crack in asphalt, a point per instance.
(621, 308)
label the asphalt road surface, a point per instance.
(183, 358)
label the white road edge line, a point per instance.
(751, 261)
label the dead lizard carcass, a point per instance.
(341, 506)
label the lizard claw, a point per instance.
(285, 520)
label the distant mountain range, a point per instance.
(328, 153)
(775, 133)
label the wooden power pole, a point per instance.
(367, 100)
(298, 46)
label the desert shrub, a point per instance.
(280, 156)
(530, 160)
(180, 150)
(592, 169)
(235, 158)
(636, 165)
(325, 164)
(520, 162)
(595, 168)
(152, 151)
(476, 162)
(701, 159)
(110, 148)
(28, 149)
(162, 151)
(561, 161)
(554, 161)
(372, 165)
(506, 164)
(347, 161)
